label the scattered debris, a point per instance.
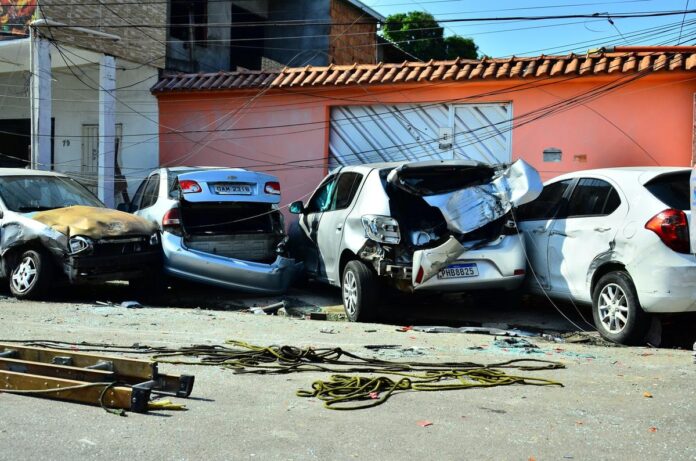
(647, 395)
(271, 309)
(424, 423)
(404, 329)
(652, 429)
(586, 337)
(517, 343)
(694, 353)
(318, 316)
(476, 330)
(370, 331)
(330, 331)
(131, 305)
(381, 346)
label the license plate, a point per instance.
(232, 189)
(455, 271)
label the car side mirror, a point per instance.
(124, 207)
(296, 207)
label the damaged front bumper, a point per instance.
(87, 269)
(235, 274)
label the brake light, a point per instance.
(673, 229)
(420, 275)
(171, 218)
(272, 188)
(189, 186)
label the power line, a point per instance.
(303, 22)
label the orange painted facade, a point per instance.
(286, 131)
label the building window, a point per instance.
(189, 17)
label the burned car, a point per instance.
(423, 226)
(220, 226)
(53, 229)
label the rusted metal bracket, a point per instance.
(114, 382)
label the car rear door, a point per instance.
(596, 211)
(535, 220)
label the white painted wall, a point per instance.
(76, 104)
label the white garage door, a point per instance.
(366, 134)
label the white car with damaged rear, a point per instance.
(438, 226)
(617, 238)
(220, 226)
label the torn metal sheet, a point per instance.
(469, 209)
(427, 263)
(92, 222)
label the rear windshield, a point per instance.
(672, 189)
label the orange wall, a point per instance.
(647, 122)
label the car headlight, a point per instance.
(80, 244)
(381, 229)
(154, 239)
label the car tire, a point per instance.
(31, 276)
(360, 292)
(617, 312)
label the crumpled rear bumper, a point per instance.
(224, 272)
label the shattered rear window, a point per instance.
(672, 189)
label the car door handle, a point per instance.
(339, 228)
(602, 229)
(539, 230)
(562, 234)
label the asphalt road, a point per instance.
(602, 411)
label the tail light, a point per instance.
(272, 188)
(189, 186)
(171, 219)
(673, 229)
(420, 275)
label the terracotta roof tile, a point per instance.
(455, 70)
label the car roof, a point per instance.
(643, 174)
(28, 172)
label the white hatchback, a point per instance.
(617, 238)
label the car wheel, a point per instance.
(31, 276)
(360, 292)
(617, 313)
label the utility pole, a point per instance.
(40, 100)
(41, 106)
(107, 129)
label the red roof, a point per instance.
(600, 63)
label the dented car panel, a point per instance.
(610, 237)
(57, 218)
(410, 222)
(95, 223)
(496, 264)
(220, 226)
(235, 274)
